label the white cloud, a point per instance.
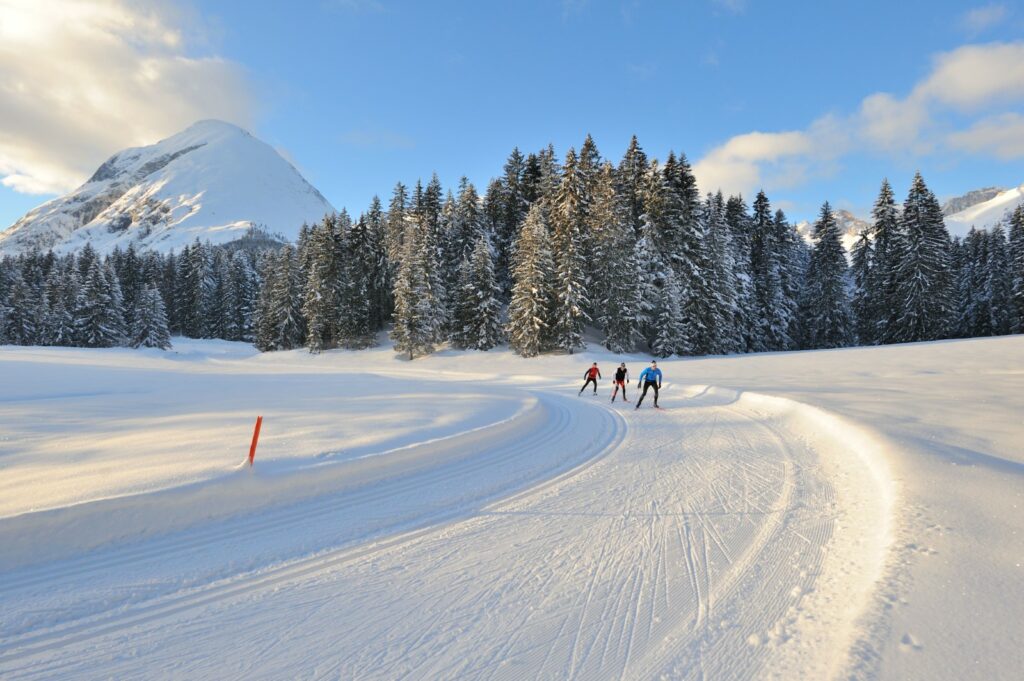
(979, 19)
(81, 79)
(748, 162)
(1001, 136)
(974, 76)
(968, 81)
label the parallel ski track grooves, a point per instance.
(611, 434)
(657, 661)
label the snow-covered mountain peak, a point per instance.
(213, 181)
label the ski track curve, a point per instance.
(684, 546)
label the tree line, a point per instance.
(551, 251)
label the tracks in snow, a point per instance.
(687, 550)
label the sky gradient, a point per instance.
(809, 103)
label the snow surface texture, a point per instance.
(213, 181)
(838, 514)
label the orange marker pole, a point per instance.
(255, 439)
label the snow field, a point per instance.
(533, 533)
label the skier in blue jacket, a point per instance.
(650, 378)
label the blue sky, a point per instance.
(808, 102)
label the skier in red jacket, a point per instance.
(591, 375)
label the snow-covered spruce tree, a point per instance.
(21, 322)
(394, 227)
(529, 313)
(418, 314)
(689, 252)
(195, 283)
(320, 304)
(357, 297)
(150, 325)
(737, 217)
(244, 286)
(478, 306)
(651, 274)
(614, 283)
(632, 180)
(998, 282)
(168, 283)
(61, 299)
(669, 330)
(374, 259)
(924, 286)
(128, 267)
(958, 258)
(825, 317)
(507, 198)
(793, 263)
(719, 334)
(281, 323)
(860, 269)
(98, 320)
(263, 321)
(881, 304)
(569, 241)
(219, 297)
(770, 321)
(1016, 246)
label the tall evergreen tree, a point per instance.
(1016, 247)
(569, 239)
(720, 334)
(737, 217)
(613, 285)
(478, 311)
(149, 327)
(530, 312)
(321, 304)
(924, 286)
(826, 320)
(98, 320)
(880, 304)
(418, 317)
(632, 179)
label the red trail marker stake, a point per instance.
(255, 439)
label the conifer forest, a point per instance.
(553, 252)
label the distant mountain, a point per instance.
(850, 226)
(213, 181)
(971, 198)
(986, 214)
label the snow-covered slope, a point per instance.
(986, 214)
(213, 181)
(971, 198)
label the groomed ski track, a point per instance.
(727, 536)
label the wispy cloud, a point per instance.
(980, 19)
(356, 6)
(376, 139)
(81, 79)
(973, 82)
(1001, 136)
(734, 6)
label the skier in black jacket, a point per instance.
(621, 379)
